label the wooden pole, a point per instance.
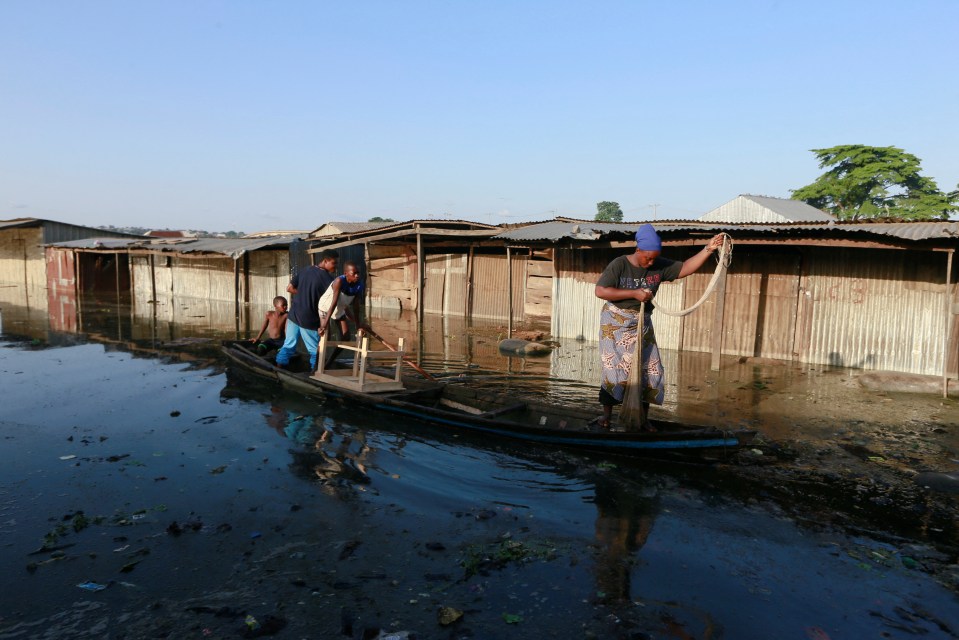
(469, 284)
(948, 331)
(116, 270)
(77, 270)
(717, 341)
(153, 282)
(420, 269)
(509, 292)
(236, 297)
(368, 261)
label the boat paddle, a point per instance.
(406, 360)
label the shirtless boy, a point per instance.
(274, 325)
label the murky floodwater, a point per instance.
(208, 505)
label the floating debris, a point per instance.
(448, 615)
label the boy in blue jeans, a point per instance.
(307, 287)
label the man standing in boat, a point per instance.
(626, 284)
(341, 301)
(307, 287)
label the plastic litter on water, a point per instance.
(92, 586)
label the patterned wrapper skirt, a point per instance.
(617, 342)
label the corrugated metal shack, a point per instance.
(178, 279)
(28, 278)
(856, 294)
(22, 258)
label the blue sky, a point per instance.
(285, 114)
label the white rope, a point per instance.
(723, 260)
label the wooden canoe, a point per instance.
(458, 406)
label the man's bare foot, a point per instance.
(600, 422)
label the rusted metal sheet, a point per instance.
(491, 283)
(873, 310)
(268, 276)
(538, 296)
(392, 282)
(61, 290)
(760, 307)
(446, 287)
(575, 309)
(22, 259)
(575, 305)
(697, 327)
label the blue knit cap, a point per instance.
(647, 239)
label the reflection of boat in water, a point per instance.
(311, 460)
(317, 464)
(495, 414)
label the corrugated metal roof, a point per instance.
(232, 247)
(748, 208)
(409, 224)
(335, 228)
(287, 232)
(568, 229)
(20, 222)
(54, 231)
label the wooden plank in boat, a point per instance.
(465, 408)
(344, 379)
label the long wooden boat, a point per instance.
(452, 404)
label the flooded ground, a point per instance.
(208, 505)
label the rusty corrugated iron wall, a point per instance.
(446, 287)
(874, 309)
(575, 305)
(267, 277)
(861, 308)
(22, 260)
(491, 282)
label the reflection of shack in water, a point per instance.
(624, 520)
(313, 435)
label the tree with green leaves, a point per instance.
(379, 219)
(875, 182)
(608, 212)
